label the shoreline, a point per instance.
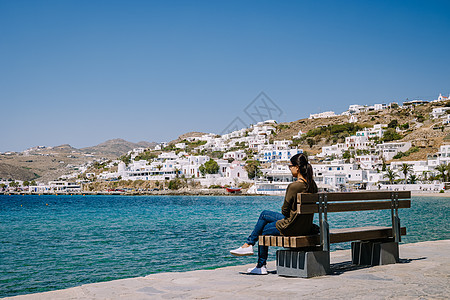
(446, 194)
(422, 272)
(172, 193)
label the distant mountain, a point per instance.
(66, 148)
(116, 147)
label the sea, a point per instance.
(52, 242)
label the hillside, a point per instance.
(423, 132)
(52, 162)
(116, 147)
(428, 134)
(8, 171)
(186, 135)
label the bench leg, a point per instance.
(295, 263)
(374, 253)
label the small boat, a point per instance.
(233, 189)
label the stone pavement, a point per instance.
(424, 273)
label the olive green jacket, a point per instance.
(293, 223)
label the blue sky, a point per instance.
(81, 72)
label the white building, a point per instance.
(284, 144)
(380, 106)
(368, 161)
(446, 120)
(236, 170)
(56, 187)
(257, 140)
(235, 134)
(278, 155)
(356, 109)
(140, 170)
(357, 142)
(191, 166)
(389, 150)
(442, 98)
(322, 115)
(333, 150)
(180, 145)
(444, 154)
(298, 135)
(418, 167)
(376, 131)
(237, 155)
(439, 111)
(353, 119)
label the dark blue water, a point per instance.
(55, 242)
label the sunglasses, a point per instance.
(291, 166)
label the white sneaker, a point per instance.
(242, 251)
(258, 271)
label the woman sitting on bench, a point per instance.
(288, 222)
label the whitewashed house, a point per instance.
(356, 108)
(380, 106)
(389, 150)
(180, 145)
(56, 187)
(191, 166)
(237, 155)
(446, 120)
(442, 98)
(333, 150)
(418, 167)
(353, 119)
(284, 144)
(439, 111)
(298, 135)
(357, 142)
(322, 115)
(368, 161)
(444, 154)
(236, 170)
(278, 155)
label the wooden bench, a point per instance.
(309, 256)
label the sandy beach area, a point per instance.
(423, 273)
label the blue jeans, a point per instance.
(264, 226)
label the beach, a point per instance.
(422, 273)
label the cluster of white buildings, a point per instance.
(356, 163)
(170, 165)
(352, 110)
(356, 108)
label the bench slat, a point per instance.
(310, 208)
(352, 196)
(336, 236)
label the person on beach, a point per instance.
(288, 222)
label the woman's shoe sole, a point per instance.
(243, 254)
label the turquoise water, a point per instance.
(83, 239)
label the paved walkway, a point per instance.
(423, 273)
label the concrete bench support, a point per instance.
(295, 263)
(374, 253)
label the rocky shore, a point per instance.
(197, 192)
(423, 273)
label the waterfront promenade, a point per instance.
(424, 272)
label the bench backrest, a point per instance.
(352, 201)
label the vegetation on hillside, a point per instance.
(253, 168)
(209, 167)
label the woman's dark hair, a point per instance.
(305, 170)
